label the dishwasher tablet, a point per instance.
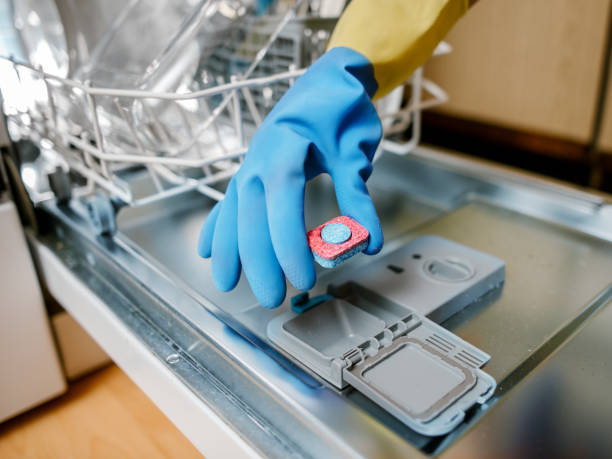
(337, 240)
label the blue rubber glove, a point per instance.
(325, 123)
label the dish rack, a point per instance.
(123, 162)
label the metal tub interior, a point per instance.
(556, 243)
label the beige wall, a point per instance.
(533, 65)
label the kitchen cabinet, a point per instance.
(530, 65)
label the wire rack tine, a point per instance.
(91, 101)
(215, 125)
(16, 69)
(50, 100)
(248, 97)
(237, 112)
(160, 130)
(122, 112)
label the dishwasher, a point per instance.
(482, 328)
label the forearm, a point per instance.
(397, 36)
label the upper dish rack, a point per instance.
(144, 145)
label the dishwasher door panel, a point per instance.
(556, 243)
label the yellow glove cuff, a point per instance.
(397, 36)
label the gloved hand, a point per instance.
(324, 123)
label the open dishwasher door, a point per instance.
(219, 350)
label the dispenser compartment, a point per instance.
(419, 372)
(422, 374)
(333, 328)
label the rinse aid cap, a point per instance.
(337, 240)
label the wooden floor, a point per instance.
(102, 415)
